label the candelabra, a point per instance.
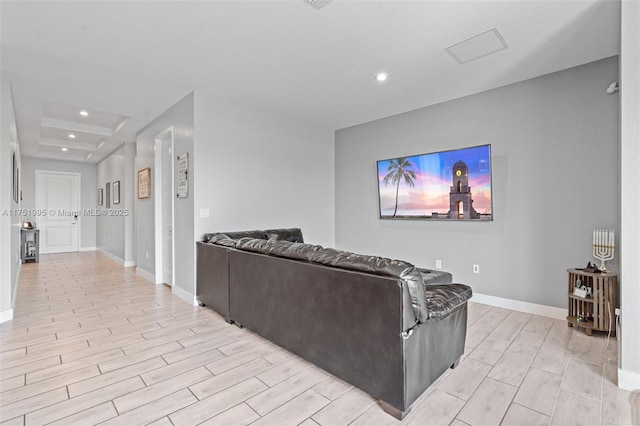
(603, 245)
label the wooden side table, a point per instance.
(595, 311)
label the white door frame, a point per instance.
(79, 198)
(166, 134)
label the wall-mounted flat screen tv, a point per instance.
(446, 185)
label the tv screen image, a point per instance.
(446, 185)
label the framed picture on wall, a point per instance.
(144, 183)
(100, 196)
(14, 177)
(116, 192)
(107, 193)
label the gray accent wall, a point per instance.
(555, 155)
(88, 192)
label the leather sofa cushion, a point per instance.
(245, 234)
(444, 299)
(293, 235)
(221, 240)
(430, 276)
(208, 238)
(298, 251)
(327, 256)
(255, 245)
(280, 248)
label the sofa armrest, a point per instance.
(443, 299)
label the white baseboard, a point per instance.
(87, 249)
(125, 263)
(110, 256)
(6, 315)
(146, 275)
(184, 295)
(628, 380)
(517, 305)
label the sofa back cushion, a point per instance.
(209, 238)
(298, 251)
(277, 244)
(380, 266)
(280, 248)
(221, 240)
(293, 235)
(255, 245)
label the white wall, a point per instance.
(110, 227)
(251, 170)
(629, 373)
(10, 221)
(180, 116)
(257, 170)
(129, 198)
(88, 192)
(555, 158)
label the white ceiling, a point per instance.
(133, 60)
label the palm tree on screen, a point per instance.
(399, 169)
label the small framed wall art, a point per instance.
(144, 183)
(116, 192)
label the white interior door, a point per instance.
(58, 195)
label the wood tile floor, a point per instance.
(92, 343)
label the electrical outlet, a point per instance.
(617, 312)
(476, 269)
(438, 264)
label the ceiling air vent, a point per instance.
(317, 4)
(477, 46)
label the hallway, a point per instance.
(93, 342)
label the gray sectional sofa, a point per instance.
(371, 321)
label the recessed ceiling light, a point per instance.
(381, 76)
(65, 149)
(84, 113)
(72, 136)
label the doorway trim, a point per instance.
(165, 135)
